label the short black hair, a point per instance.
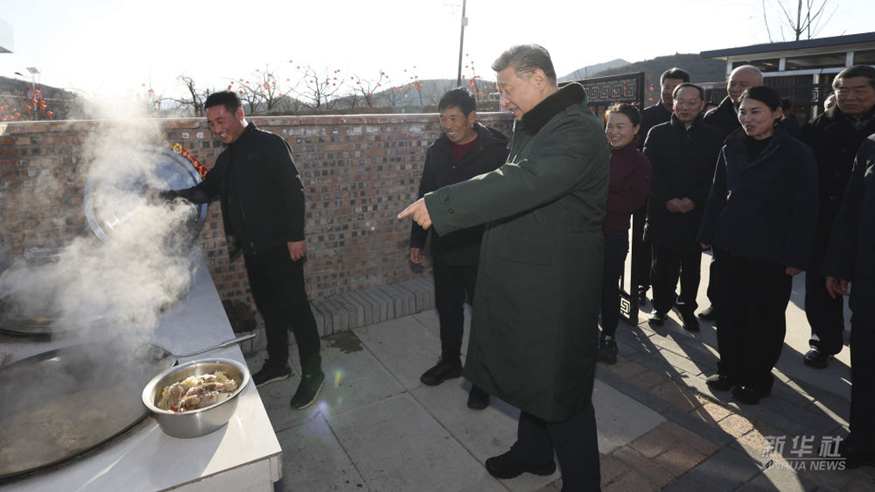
(627, 109)
(224, 98)
(677, 89)
(525, 59)
(763, 94)
(855, 71)
(674, 73)
(459, 97)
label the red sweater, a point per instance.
(629, 186)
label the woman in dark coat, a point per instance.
(628, 189)
(760, 219)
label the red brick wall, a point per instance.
(358, 172)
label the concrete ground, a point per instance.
(377, 428)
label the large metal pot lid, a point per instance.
(120, 180)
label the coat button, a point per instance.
(450, 211)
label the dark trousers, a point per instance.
(575, 442)
(616, 247)
(712, 281)
(277, 285)
(641, 258)
(452, 286)
(669, 265)
(825, 314)
(862, 382)
(751, 322)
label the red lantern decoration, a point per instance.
(50, 113)
(28, 108)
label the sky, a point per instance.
(120, 48)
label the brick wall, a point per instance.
(358, 172)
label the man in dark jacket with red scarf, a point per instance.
(465, 149)
(262, 200)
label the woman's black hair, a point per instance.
(763, 94)
(627, 109)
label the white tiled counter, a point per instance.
(241, 456)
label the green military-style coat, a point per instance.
(534, 333)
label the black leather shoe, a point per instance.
(816, 359)
(642, 295)
(689, 321)
(656, 319)
(477, 398)
(748, 395)
(442, 371)
(708, 314)
(508, 466)
(719, 382)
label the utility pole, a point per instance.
(461, 44)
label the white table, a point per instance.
(241, 456)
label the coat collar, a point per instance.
(675, 122)
(554, 104)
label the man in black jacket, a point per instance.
(654, 115)
(725, 117)
(850, 259)
(465, 149)
(835, 137)
(262, 201)
(683, 154)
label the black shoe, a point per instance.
(607, 351)
(816, 359)
(477, 398)
(442, 371)
(308, 390)
(748, 395)
(854, 456)
(656, 319)
(708, 314)
(642, 295)
(508, 466)
(689, 321)
(270, 373)
(719, 382)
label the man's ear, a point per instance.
(239, 114)
(539, 79)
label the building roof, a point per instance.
(834, 43)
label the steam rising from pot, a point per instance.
(145, 262)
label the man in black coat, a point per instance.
(683, 154)
(835, 137)
(654, 115)
(262, 200)
(465, 149)
(850, 259)
(725, 117)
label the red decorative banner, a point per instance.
(201, 169)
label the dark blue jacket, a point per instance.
(765, 209)
(724, 117)
(851, 253)
(683, 167)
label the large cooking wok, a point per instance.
(62, 403)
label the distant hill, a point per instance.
(700, 70)
(14, 96)
(590, 70)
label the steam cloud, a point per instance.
(124, 283)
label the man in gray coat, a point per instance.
(534, 333)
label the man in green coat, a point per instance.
(534, 333)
